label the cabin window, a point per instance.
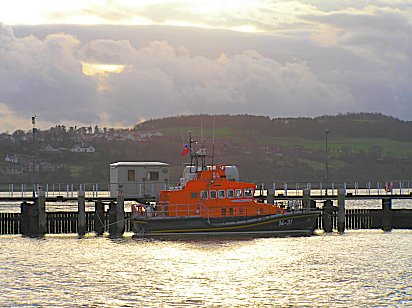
(223, 212)
(131, 175)
(238, 193)
(213, 194)
(152, 176)
(231, 212)
(194, 195)
(248, 192)
(221, 194)
(203, 195)
(230, 193)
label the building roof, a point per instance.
(139, 164)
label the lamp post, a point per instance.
(326, 159)
(33, 121)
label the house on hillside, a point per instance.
(11, 169)
(50, 148)
(82, 148)
(11, 158)
(49, 167)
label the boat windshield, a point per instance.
(248, 192)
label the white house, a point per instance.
(81, 148)
(11, 158)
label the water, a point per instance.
(360, 268)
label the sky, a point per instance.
(116, 63)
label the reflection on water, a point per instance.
(360, 268)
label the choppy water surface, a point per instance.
(360, 268)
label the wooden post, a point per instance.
(387, 214)
(120, 214)
(33, 217)
(327, 216)
(24, 218)
(112, 219)
(41, 206)
(271, 196)
(99, 217)
(306, 199)
(341, 211)
(81, 217)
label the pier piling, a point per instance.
(120, 215)
(99, 217)
(271, 196)
(306, 199)
(24, 218)
(81, 218)
(341, 211)
(327, 216)
(41, 207)
(33, 217)
(113, 219)
(387, 214)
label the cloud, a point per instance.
(380, 36)
(45, 77)
(160, 80)
(335, 58)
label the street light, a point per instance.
(326, 159)
(33, 121)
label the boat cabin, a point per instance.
(211, 193)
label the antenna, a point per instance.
(213, 140)
(201, 129)
(190, 150)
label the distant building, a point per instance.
(82, 148)
(50, 148)
(11, 169)
(49, 167)
(138, 179)
(11, 158)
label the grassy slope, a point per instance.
(349, 156)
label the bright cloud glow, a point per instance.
(240, 15)
(94, 69)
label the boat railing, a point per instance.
(243, 213)
(182, 210)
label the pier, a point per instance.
(85, 209)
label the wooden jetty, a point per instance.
(37, 216)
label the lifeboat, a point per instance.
(210, 201)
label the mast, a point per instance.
(213, 142)
(190, 150)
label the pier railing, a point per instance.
(104, 189)
(91, 190)
(378, 188)
(55, 190)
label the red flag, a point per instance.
(185, 150)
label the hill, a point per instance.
(361, 146)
